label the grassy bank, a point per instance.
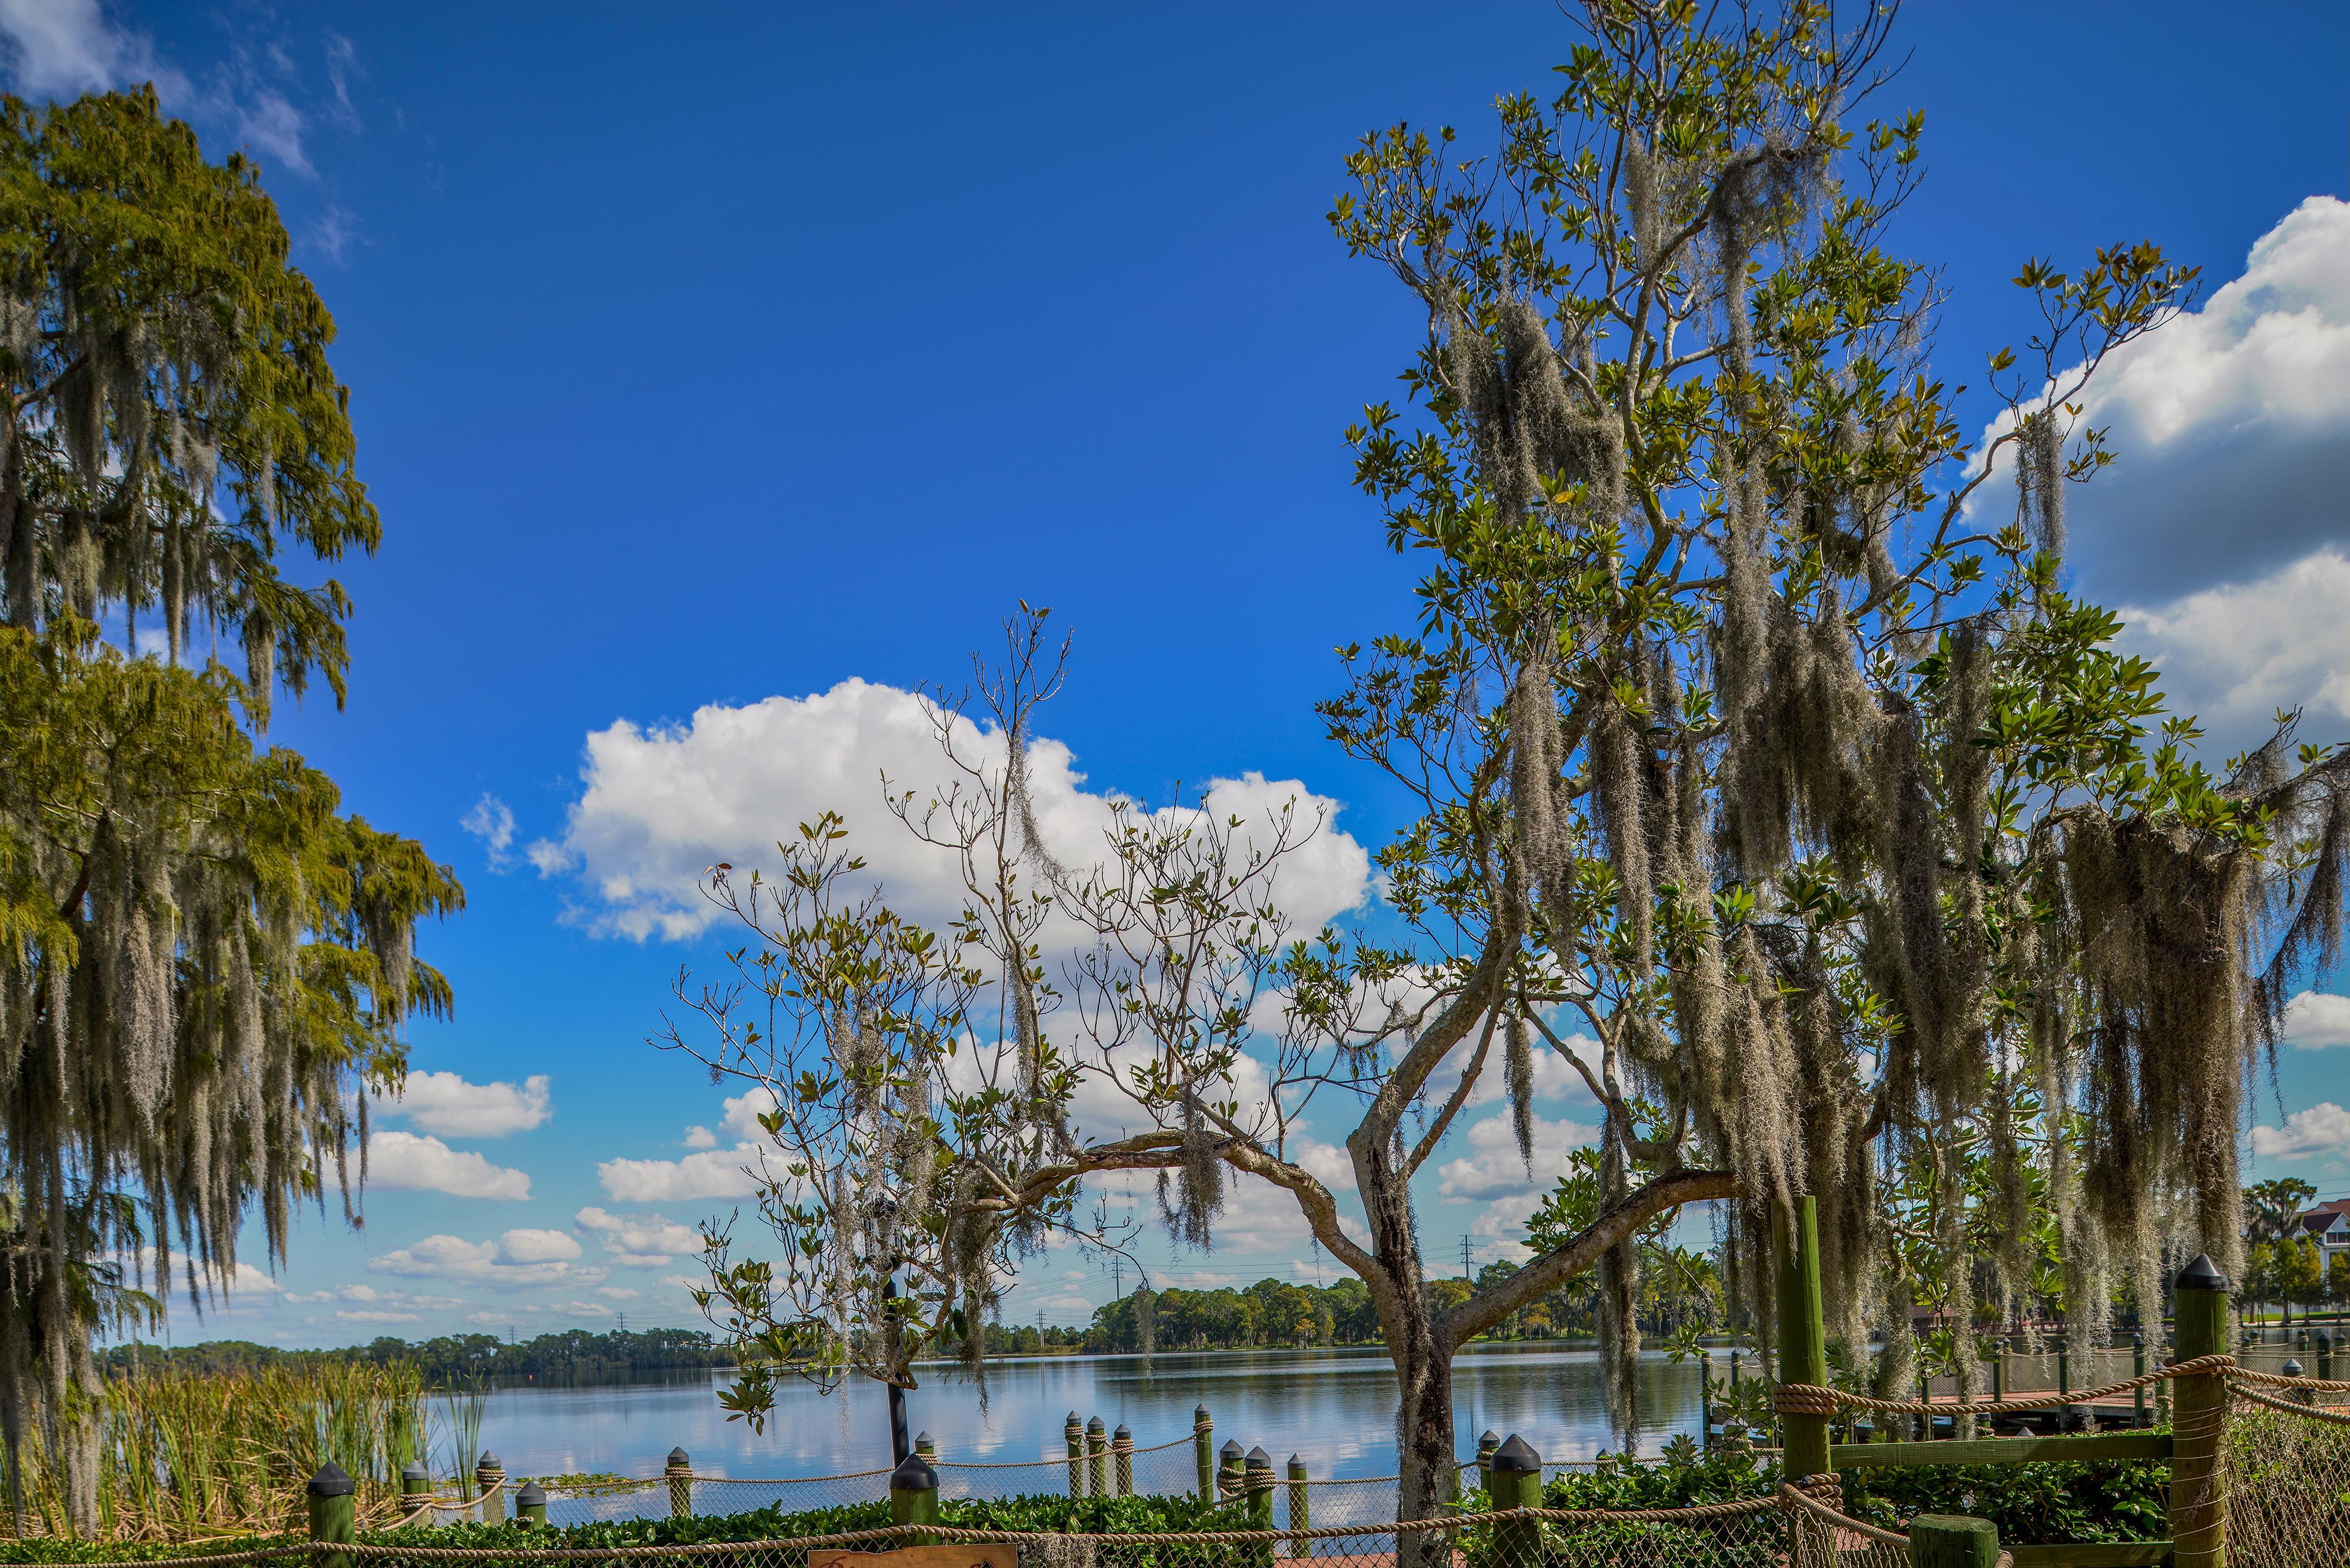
(182, 1456)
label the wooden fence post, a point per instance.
(913, 1495)
(2137, 1369)
(1517, 1483)
(1098, 1452)
(679, 1471)
(415, 1483)
(1073, 1432)
(530, 1505)
(1953, 1541)
(1203, 1451)
(1803, 1338)
(489, 1476)
(334, 1514)
(1486, 1443)
(1301, 1508)
(1121, 1452)
(1228, 1470)
(2198, 1504)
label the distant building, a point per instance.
(2329, 1225)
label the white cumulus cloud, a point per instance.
(1491, 1168)
(405, 1162)
(2322, 1128)
(520, 1257)
(2314, 1021)
(661, 804)
(712, 1173)
(640, 1241)
(446, 1104)
(2219, 533)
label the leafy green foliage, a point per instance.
(2033, 1504)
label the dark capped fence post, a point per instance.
(1228, 1470)
(1121, 1456)
(913, 1495)
(928, 1450)
(1256, 1482)
(334, 1514)
(530, 1505)
(1486, 1443)
(1203, 1451)
(1301, 1508)
(1516, 1483)
(415, 1484)
(679, 1473)
(2326, 1355)
(1097, 1450)
(2292, 1368)
(2137, 1369)
(489, 1481)
(1953, 1540)
(2199, 1401)
(1073, 1434)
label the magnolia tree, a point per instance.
(1754, 736)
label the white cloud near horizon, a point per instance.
(406, 1162)
(2322, 1128)
(446, 1104)
(2219, 534)
(519, 1257)
(2314, 1020)
(663, 804)
(640, 1240)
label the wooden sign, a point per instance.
(1000, 1555)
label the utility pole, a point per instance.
(1464, 1258)
(624, 1322)
(1117, 1279)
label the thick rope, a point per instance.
(2292, 1408)
(2324, 1385)
(1796, 1495)
(1813, 1399)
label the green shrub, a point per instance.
(2043, 1503)
(1716, 1478)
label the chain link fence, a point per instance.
(2284, 1466)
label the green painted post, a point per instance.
(1073, 1432)
(334, 1514)
(1486, 1443)
(2199, 1503)
(2326, 1358)
(1256, 1487)
(1803, 1338)
(1121, 1453)
(2137, 1369)
(1203, 1451)
(1301, 1508)
(913, 1495)
(2063, 1380)
(530, 1505)
(1999, 1372)
(415, 1484)
(929, 1448)
(490, 1480)
(679, 1472)
(1953, 1540)
(1517, 1483)
(1228, 1472)
(1098, 1451)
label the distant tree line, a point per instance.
(459, 1357)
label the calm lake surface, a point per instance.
(1336, 1408)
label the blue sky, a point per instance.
(701, 358)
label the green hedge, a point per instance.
(62, 1549)
(2043, 1503)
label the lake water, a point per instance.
(1334, 1408)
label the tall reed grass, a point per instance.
(183, 1456)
